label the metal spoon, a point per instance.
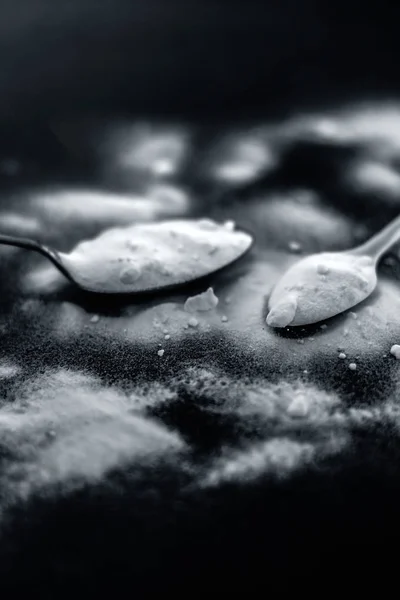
(326, 284)
(71, 267)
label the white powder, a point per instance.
(305, 296)
(342, 355)
(193, 322)
(160, 352)
(202, 302)
(147, 256)
(352, 366)
(294, 246)
(395, 350)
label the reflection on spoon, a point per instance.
(323, 285)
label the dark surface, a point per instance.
(189, 471)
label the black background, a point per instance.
(192, 56)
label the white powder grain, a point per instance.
(395, 350)
(148, 256)
(294, 246)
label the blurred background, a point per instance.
(192, 57)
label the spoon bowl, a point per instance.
(326, 284)
(323, 285)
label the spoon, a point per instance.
(326, 284)
(96, 265)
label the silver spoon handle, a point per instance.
(28, 244)
(379, 243)
(21, 242)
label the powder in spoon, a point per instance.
(319, 287)
(147, 256)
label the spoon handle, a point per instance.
(20, 242)
(28, 244)
(379, 243)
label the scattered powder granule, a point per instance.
(202, 302)
(395, 350)
(353, 315)
(95, 319)
(167, 337)
(324, 326)
(224, 318)
(352, 366)
(193, 322)
(294, 246)
(229, 225)
(342, 355)
(161, 352)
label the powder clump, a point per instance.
(395, 351)
(202, 302)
